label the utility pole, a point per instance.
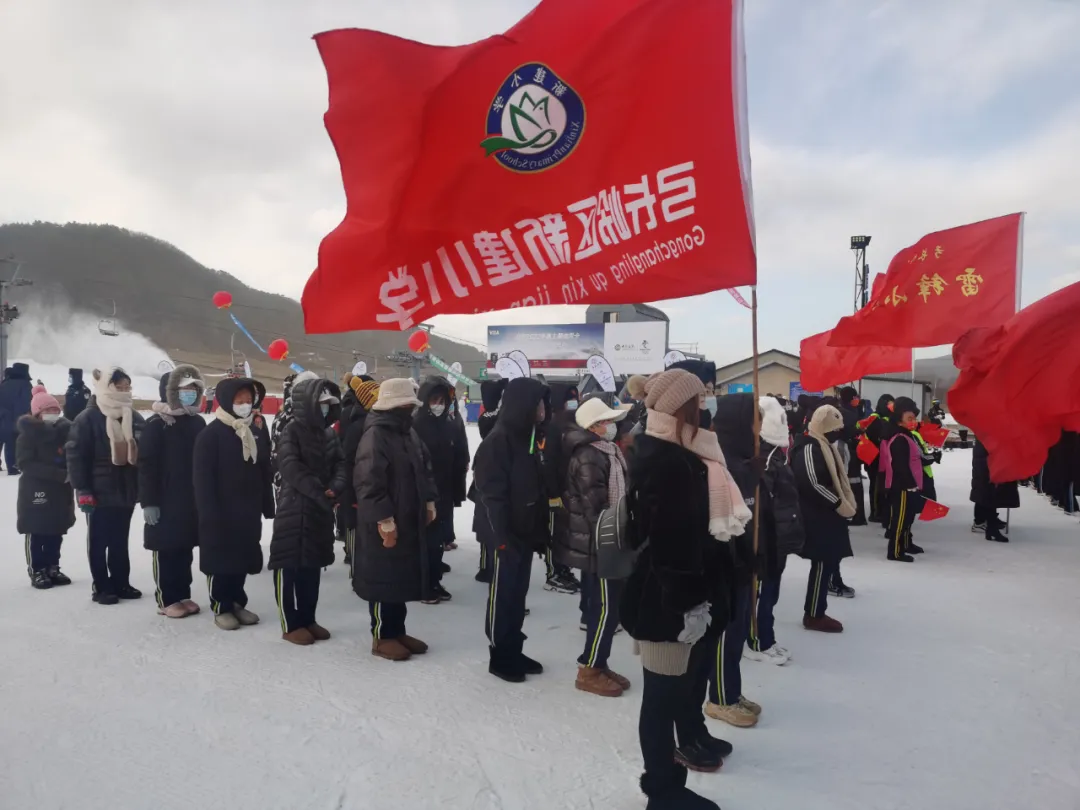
(8, 312)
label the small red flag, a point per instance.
(932, 510)
(822, 366)
(933, 435)
(943, 285)
(595, 153)
(1019, 384)
(866, 450)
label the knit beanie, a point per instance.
(367, 391)
(668, 391)
(635, 386)
(396, 393)
(41, 399)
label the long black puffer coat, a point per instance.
(827, 538)
(46, 502)
(441, 436)
(233, 495)
(89, 459)
(351, 429)
(585, 497)
(166, 469)
(393, 480)
(561, 420)
(508, 470)
(309, 461)
(781, 530)
(983, 491)
(734, 428)
(682, 565)
(491, 392)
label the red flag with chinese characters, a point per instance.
(1019, 384)
(932, 510)
(866, 451)
(933, 435)
(595, 153)
(943, 285)
(822, 366)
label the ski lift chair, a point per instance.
(108, 327)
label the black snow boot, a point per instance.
(127, 592)
(58, 577)
(40, 580)
(914, 549)
(506, 665)
(722, 748)
(669, 792)
(698, 757)
(106, 598)
(530, 666)
(483, 575)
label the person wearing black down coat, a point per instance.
(234, 491)
(311, 468)
(167, 488)
(395, 497)
(988, 497)
(102, 453)
(449, 456)
(77, 395)
(46, 506)
(510, 486)
(681, 571)
(491, 392)
(350, 428)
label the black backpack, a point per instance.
(617, 541)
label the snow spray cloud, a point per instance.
(50, 332)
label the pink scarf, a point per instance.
(728, 513)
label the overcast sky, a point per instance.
(200, 122)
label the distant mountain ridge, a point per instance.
(164, 294)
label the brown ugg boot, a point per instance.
(414, 645)
(301, 636)
(619, 679)
(319, 632)
(390, 648)
(823, 624)
(597, 682)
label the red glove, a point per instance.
(87, 502)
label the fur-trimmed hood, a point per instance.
(228, 388)
(181, 376)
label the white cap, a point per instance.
(594, 410)
(326, 396)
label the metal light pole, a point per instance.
(8, 312)
(859, 244)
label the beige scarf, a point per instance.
(168, 414)
(827, 419)
(116, 406)
(728, 513)
(243, 430)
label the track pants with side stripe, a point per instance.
(725, 671)
(172, 576)
(601, 616)
(817, 587)
(387, 619)
(296, 591)
(506, 598)
(226, 592)
(107, 529)
(905, 508)
(42, 551)
(762, 635)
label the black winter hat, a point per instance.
(905, 405)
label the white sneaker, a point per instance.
(773, 655)
(783, 651)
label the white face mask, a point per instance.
(571, 404)
(325, 408)
(611, 431)
(710, 404)
(438, 410)
(50, 417)
(242, 411)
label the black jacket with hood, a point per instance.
(491, 392)
(89, 457)
(882, 427)
(16, 391)
(166, 469)
(682, 565)
(782, 530)
(393, 480)
(508, 470)
(561, 418)
(77, 395)
(850, 412)
(584, 498)
(46, 503)
(827, 538)
(350, 429)
(734, 428)
(309, 462)
(233, 495)
(447, 451)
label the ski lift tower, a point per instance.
(8, 312)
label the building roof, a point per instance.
(772, 357)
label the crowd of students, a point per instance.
(383, 466)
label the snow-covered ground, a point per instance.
(953, 687)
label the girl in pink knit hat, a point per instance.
(46, 504)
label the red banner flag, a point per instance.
(866, 450)
(943, 285)
(1019, 384)
(933, 435)
(596, 153)
(822, 366)
(932, 510)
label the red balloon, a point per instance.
(418, 342)
(222, 299)
(278, 349)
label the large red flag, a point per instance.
(1019, 384)
(943, 285)
(595, 153)
(822, 366)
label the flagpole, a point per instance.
(757, 452)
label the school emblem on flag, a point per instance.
(535, 120)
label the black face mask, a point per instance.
(835, 436)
